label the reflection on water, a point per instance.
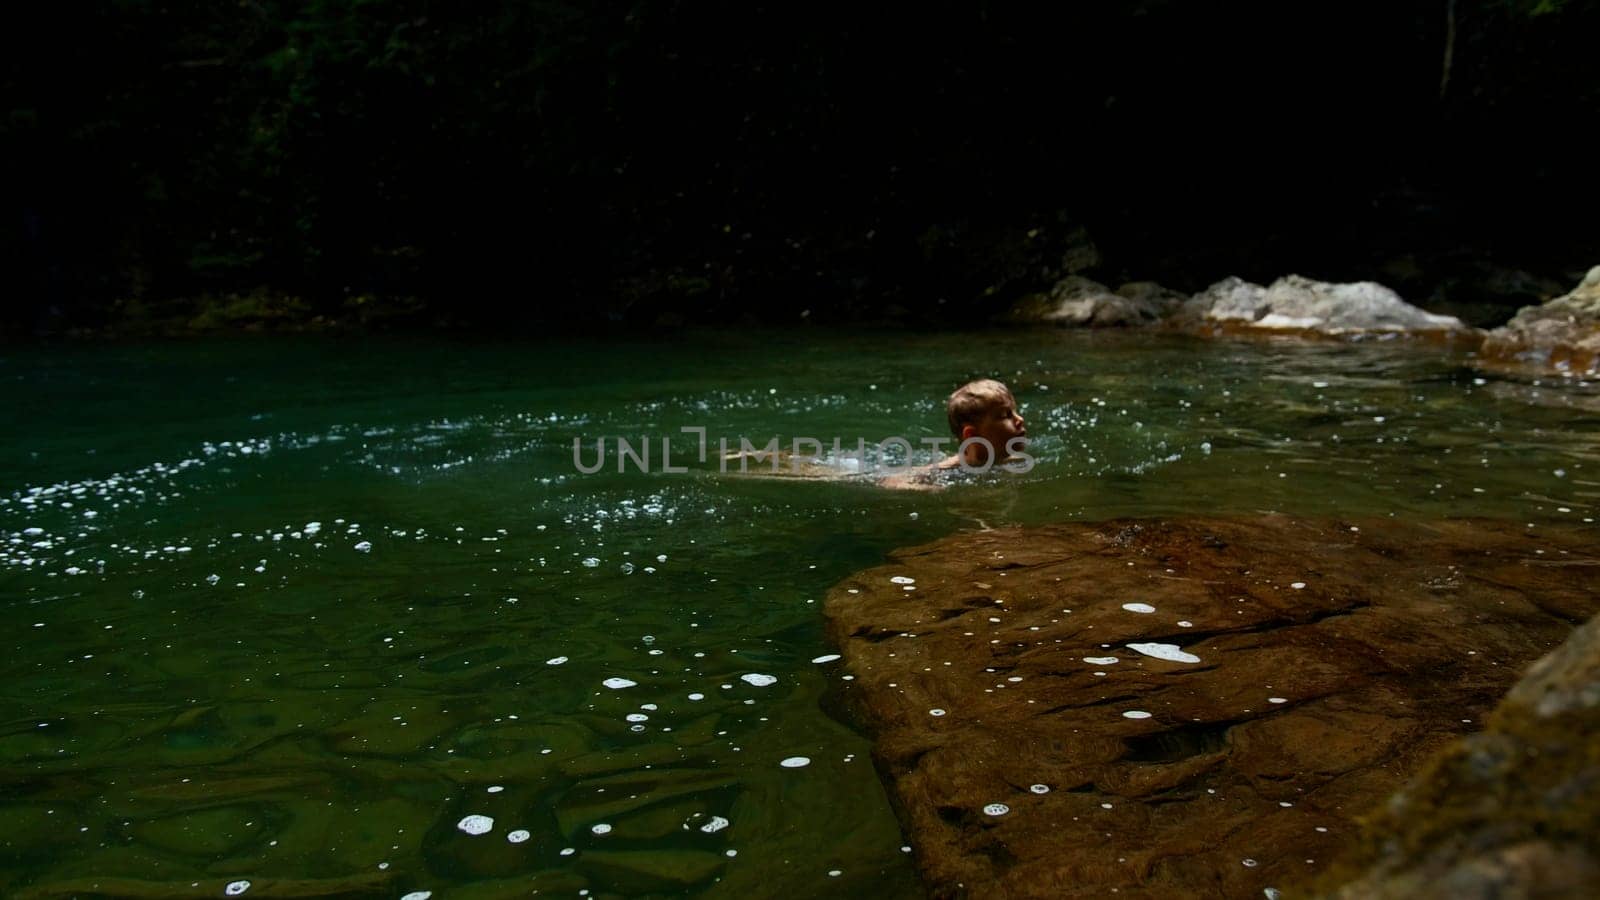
(300, 611)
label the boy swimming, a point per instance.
(984, 420)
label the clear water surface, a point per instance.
(203, 687)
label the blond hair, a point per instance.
(969, 402)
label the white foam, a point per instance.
(518, 836)
(1139, 607)
(826, 658)
(476, 824)
(364, 547)
(1136, 714)
(796, 762)
(996, 809)
(617, 684)
(716, 824)
(418, 895)
(601, 828)
(1168, 652)
(1298, 585)
(758, 680)
(1100, 660)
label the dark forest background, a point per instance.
(576, 162)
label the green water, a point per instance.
(199, 690)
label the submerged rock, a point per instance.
(1308, 706)
(642, 871)
(1562, 335)
(1511, 812)
(1301, 305)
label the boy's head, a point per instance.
(986, 409)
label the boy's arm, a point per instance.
(912, 481)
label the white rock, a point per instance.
(1303, 304)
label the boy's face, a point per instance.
(999, 424)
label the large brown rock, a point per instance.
(1562, 335)
(1511, 812)
(1333, 659)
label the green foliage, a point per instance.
(709, 151)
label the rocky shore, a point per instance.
(1184, 708)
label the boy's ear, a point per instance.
(968, 431)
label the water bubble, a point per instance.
(601, 828)
(1100, 660)
(591, 562)
(518, 836)
(1039, 788)
(1277, 700)
(1139, 607)
(1298, 585)
(1248, 862)
(697, 696)
(618, 684)
(1136, 714)
(758, 680)
(476, 824)
(637, 717)
(418, 895)
(235, 888)
(716, 824)
(996, 809)
(627, 568)
(555, 660)
(796, 762)
(1168, 652)
(826, 658)
(935, 712)
(364, 547)
(902, 579)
